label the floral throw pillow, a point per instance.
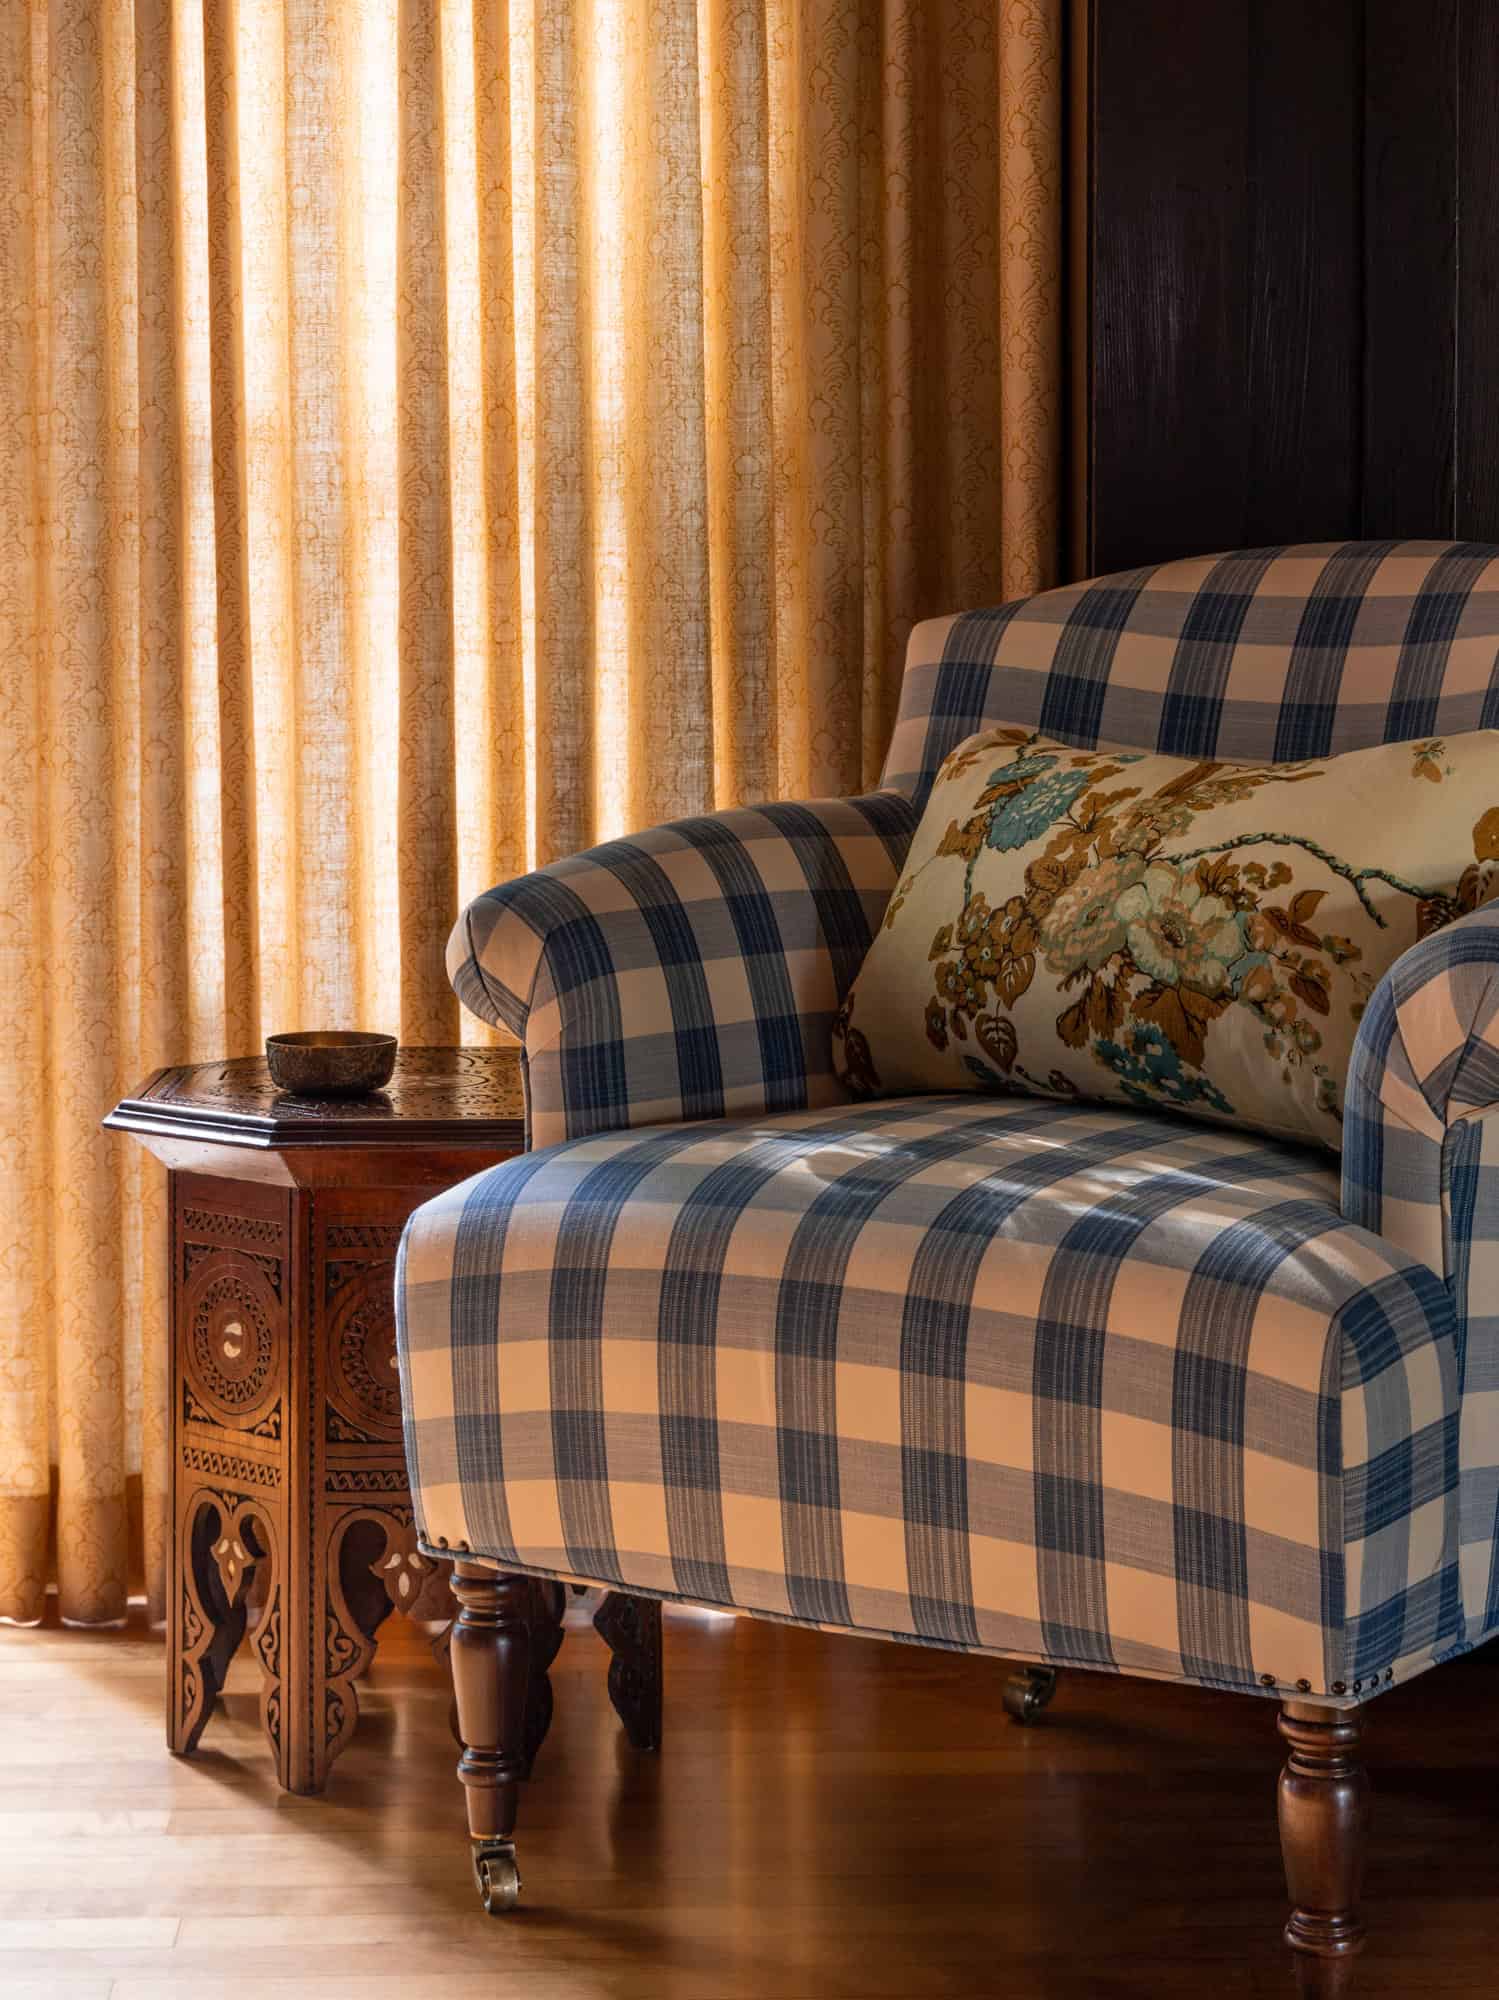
(1163, 932)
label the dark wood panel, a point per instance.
(1287, 285)
(1078, 427)
(1224, 276)
(1169, 239)
(1305, 286)
(1477, 426)
(1410, 263)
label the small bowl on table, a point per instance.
(330, 1062)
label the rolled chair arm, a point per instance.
(1421, 1167)
(1424, 1077)
(693, 971)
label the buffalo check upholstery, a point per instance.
(1421, 1168)
(1061, 1382)
(686, 972)
(1261, 655)
(1005, 1375)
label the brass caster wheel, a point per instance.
(1028, 1692)
(497, 1876)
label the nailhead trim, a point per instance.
(1266, 1680)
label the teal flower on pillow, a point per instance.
(1150, 1071)
(1023, 769)
(1027, 815)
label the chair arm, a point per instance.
(1421, 1167)
(693, 971)
(1424, 1077)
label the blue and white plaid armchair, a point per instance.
(1073, 1385)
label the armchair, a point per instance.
(1068, 1384)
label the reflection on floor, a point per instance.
(831, 1819)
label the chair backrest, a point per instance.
(1261, 655)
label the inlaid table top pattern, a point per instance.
(470, 1094)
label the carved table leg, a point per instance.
(491, 1654)
(230, 1306)
(1324, 1823)
(631, 1628)
(353, 1551)
(208, 1620)
(364, 1564)
(324, 1649)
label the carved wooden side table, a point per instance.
(289, 1493)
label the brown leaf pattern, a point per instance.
(1133, 919)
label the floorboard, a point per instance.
(831, 1819)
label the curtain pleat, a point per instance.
(490, 619)
(426, 855)
(734, 105)
(90, 536)
(228, 738)
(436, 435)
(163, 983)
(1031, 140)
(26, 1365)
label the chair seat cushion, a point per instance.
(1053, 1381)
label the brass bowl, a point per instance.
(330, 1062)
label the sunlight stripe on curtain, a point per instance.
(436, 435)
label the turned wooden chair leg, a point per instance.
(1324, 1824)
(491, 1654)
(631, 1628)
(548, 1603)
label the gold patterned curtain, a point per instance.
(436, 435)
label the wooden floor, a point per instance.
(831, 1819)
